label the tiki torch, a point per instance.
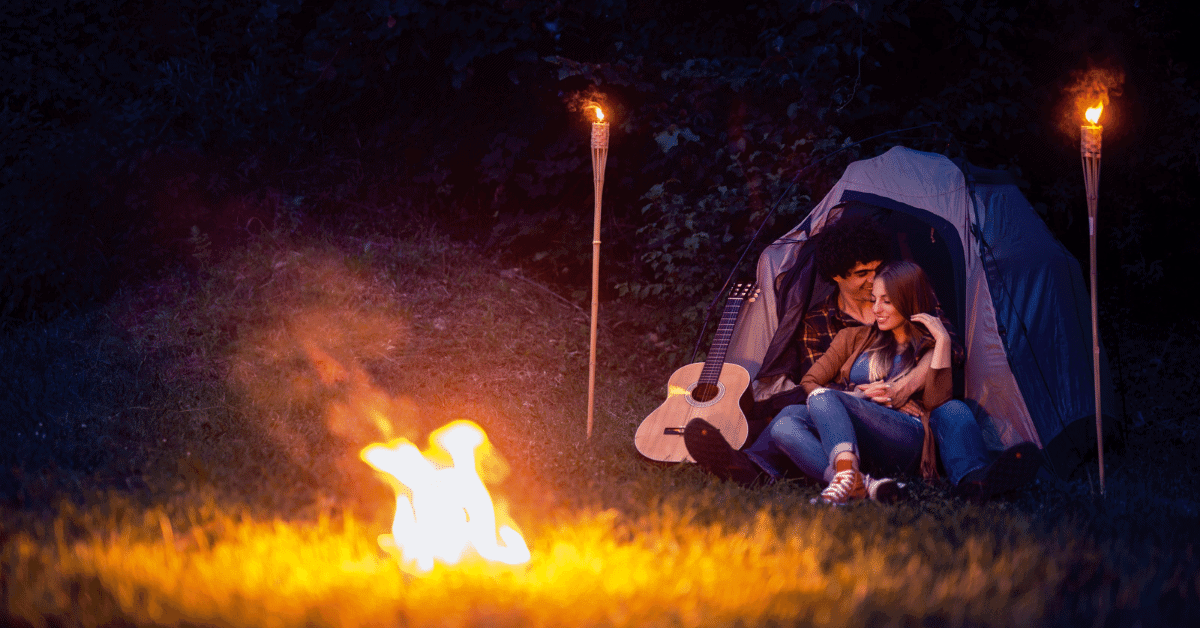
(1089, 148)
(599, 159)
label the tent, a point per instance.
(1016, 296)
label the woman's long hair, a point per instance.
(910, 292)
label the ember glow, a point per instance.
(443, 510)
(1093, 113)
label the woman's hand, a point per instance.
(879, 392)
(934, 325)
(941, 339)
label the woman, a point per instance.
(851, 421)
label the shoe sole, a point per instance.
(707, 447)
(712, 452)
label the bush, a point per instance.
(469, 111)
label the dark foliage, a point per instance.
(135, 132)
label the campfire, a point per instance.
(444, 512)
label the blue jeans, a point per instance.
(959, 439)
(790, 436)
(885, 440)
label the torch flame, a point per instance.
(447, 510)
(1093, 113)
(599, 113)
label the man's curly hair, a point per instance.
(847, 242)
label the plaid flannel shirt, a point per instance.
(826, 319)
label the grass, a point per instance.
(188, 456)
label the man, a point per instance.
(848, 254)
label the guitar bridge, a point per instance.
(673, 431)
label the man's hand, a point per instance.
(879, 392)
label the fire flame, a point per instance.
(443, 510)
(599, 113)
(1091, 90)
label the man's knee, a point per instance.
(953, 414)
(785, 423)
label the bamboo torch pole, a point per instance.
(599, 160)
(1089, 147)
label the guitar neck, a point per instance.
(716, 354)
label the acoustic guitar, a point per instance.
(709, 390)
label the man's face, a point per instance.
(856, 284)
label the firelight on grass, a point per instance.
(443, 510)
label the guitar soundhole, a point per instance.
(705, 392)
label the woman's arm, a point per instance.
(896, 393)
(939, 383)
(935, 386)
(941, 339)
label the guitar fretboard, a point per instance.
(711, 373)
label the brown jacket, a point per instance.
(835, 364)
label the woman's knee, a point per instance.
(821, 398)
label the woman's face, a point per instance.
(886, 315)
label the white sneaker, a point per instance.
(883, 490)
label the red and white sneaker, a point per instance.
(845, 486)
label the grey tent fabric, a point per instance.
(1015, 294)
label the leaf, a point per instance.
(667, 139)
